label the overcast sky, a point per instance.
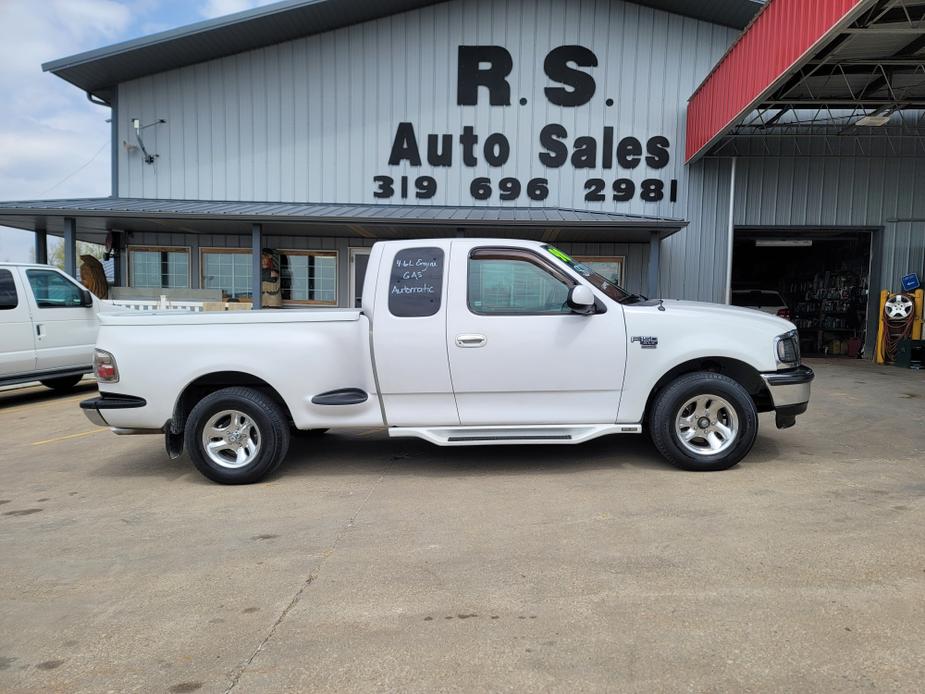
(53, 142)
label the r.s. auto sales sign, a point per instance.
(483, 71)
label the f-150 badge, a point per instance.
(645, 342)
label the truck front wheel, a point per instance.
(703, 421)
(236, 435)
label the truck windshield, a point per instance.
(609, 288)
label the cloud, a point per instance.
(219, 8)
(50, 134)
(48, 128)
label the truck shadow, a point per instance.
(27, 395)
(376, 454)
(334, 454)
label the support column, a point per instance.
(257, 247)
(730, 231)
(70, 246)
(117, 257)
(41, 246)
(655, 248)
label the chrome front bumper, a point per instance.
(790, 392)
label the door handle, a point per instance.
(38, 330)
(471, 340)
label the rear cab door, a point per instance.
(17, 336)
(65, 329)
(517, 354)
(409, 314)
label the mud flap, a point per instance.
(174, 443)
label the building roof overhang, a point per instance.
(837, 77)
(98, 71)
(95, 217)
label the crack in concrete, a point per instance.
(236, 676)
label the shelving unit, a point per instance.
(829, 312)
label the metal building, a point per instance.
(652, 138)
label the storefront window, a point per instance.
(158, 267)
(309, 277)
(609, 267)
(228, 269)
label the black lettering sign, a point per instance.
(470, 75)
(416, 282)
(557, 67)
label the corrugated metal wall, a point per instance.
(314, 119)
(693, 261)
(841, 192)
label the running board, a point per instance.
(506, 435)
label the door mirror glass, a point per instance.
(581, 300)
(86, 298)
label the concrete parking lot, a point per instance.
(375, 565)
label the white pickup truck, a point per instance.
(459, 342)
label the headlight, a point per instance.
(104, 367)
(787, 347)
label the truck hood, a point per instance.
(719, 313)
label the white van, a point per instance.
(48, 326)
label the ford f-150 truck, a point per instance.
(460, 342)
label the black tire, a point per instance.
(62, 384)
(668, 406)
(265, 416)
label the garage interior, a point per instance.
(823, 276)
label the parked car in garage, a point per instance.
(460, 342)
(767, 300)
(48, 326)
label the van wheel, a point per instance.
(704, 421)
(62, 384)
(237, 436)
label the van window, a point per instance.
(53, 290)
(8, 297)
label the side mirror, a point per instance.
(86, 298)
(581, 300)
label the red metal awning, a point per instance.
(782, 35)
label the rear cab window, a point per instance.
(416, 282)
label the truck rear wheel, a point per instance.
(704, 421)
(237, 436)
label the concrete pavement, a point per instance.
(368, 564)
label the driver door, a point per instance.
(518, 355)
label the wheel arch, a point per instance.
(205, 384)
(742, 373)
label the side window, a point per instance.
(53, 290)
(8, 298)
(416, 282)
(514, 283)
